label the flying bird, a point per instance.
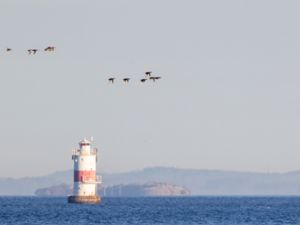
(154, 78)
(111, 80)
(143, 80)
(49, 49)
(32, 51)
(148, 73)
(8, 49)
(126, 80)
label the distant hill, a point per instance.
(199, 182)
(27, 185)
(124, 190)
(213, 182)
(57, 190)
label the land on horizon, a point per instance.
(198, 182)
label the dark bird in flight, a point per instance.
(126, 80)
(8, 49)
(49, 49)
(111, 80)
(148, 73)
(32, 51)
(154, 78)
(143, 80)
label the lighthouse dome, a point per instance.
(84, 142)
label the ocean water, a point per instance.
(181, 211)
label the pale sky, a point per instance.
(228, 98)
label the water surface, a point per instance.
(158, 211)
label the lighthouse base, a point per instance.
(84, 199)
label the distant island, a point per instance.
(198, 182)
(127, 190)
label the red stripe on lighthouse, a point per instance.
(84, 175)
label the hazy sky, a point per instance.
(228, 98)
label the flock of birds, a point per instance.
(148, 74)
(143, 80)
(33, 51)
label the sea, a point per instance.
(152, 210)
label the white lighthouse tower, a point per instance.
(85, 178)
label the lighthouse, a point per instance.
(85, 177)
